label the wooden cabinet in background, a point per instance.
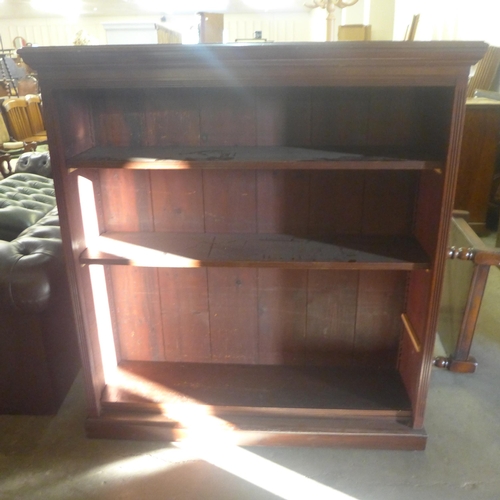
(354, 32)
(477, 159)
(256, 235)
(211, 27)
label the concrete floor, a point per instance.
(50, 458)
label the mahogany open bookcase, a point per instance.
(256, 235)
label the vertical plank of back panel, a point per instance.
(282, 316)
(392, 118)
(331, 316)
(230, 207)
(138, 312)
(75, 113)
(283, 202)
(172, 117)
(283, 117)
(230, 201)
(127, 206)
(120, 118)
(185, 314)
(228, 118)
(336, 202)
(177, 198)
(381, 300)
(126, 200)
(339, 117)
(178, 207)
(298, 118)
(271, 118)
(233, 315)
(282, 207)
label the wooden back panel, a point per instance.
(240, 315)
(283, 316)
(386, 120)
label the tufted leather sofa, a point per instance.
(38, 343)
(24, 199)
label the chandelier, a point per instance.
(329, 6)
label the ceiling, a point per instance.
(26, 8)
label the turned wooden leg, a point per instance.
(460, 361)
(5, 167)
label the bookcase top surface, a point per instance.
(307, 63)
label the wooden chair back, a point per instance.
(411, 31)
(4, 133)
(35, 113)
(17, 116)
(486, 71)
(19, 124)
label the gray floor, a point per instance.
(50, 458)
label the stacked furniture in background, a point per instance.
(38, 343)
(21, 129)
(25, 119)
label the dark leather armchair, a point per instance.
(39, 355)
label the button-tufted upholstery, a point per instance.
(38, 343)
(30, 265)
(24, 199)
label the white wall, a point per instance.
(450, 19)
(356, 13)
(274, 27)
(55, 30)
(58, 31)
(378, 13)
(439, 20)
(382, 19)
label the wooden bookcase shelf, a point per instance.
(261, 157)
(256, 250)
(256, 235)
(317, 391)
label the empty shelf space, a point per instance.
(259, 157)
(265, 390)
(256, 250)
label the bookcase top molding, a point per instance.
(277, 64)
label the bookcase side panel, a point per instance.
(75, 111)
(432, 223)
(69, 127)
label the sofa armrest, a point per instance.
(31, 265)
